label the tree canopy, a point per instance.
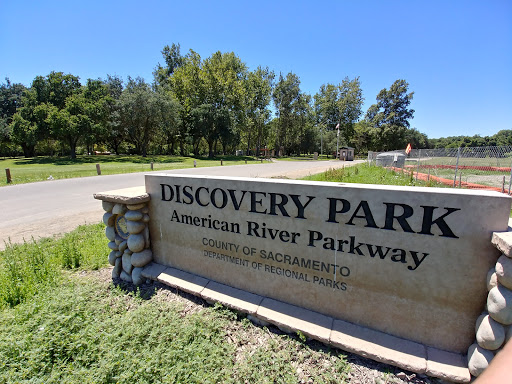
(208, 106)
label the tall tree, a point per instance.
(286, 94)
(258, 95)
(187, 88)
(10, 102)
(350, 104)
(115, 132)
(143, 112)
(173, 60)
(326, 104)
(391, 114)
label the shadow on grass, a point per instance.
(120, 159)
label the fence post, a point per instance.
(151, 165)
(456, 168)
(510, 181)
(98, 169)
(418, 164)
(221, 162)
(8, 175)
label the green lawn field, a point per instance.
(28, 170)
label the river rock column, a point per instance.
(494, 326)
(126, 218)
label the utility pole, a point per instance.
(338, 141)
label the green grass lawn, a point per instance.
(28, 170)
(365, 174)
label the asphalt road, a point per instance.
(52, 207)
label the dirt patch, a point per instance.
(249, 338)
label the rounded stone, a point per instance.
(492, 279)
(478, 359)
(146, 237)
(140, 259)
(107, 206)
(499, 304)
(118, 240)
(126, 277)
(127, 263)
(145, 218)
(134, 207)
(112, 258)
(116, 271)
(137, 276)
(508, 333)
(136, 243)
(504, 271)
(119, 209)
(127, 250)
(113, 246)
(489, 333)
(123, 246)
(110, 232)
(135, 227)
(109, 219)
(133, 215)
(145, 210)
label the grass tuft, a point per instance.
(33, 265)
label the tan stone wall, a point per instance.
(411, 262)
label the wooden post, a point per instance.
(221, 162)
(151, 165)
(195, 163)
(98, 169)
(8, 175)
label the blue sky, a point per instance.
(456, 55)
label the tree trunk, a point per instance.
(210, 149)
(72, 147)
(28, 150)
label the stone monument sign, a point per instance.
(409, 262)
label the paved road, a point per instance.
(51, 207)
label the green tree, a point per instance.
(350, 104)
(143, 111)
(10, 101)
(503, 137)
(173, 60)
(186, 86)
(258, 95)
(286, 95)
(223, 76)
(390, 116)
(326, 106)
(115, 133)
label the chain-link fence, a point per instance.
(469, 167)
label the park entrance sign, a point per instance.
(369, 262)
(407, 261)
